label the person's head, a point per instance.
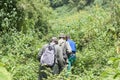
(55, 40)
(62, 35)
(67, 36)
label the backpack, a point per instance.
(48, 56)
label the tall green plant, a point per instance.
(37, 14)
(116, 17)
(11, 16)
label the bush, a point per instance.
(11, 15)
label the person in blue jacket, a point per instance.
(72, 56)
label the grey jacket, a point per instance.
(65, 46)
(58, 52)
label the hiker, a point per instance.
(72, 56)
(65, 47)
(47, 62)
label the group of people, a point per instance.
(56, 55)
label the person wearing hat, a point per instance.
(66, 49)
(59, 61)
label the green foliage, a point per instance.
(37, 16)
(4, 75)
(80, 4)
(19, 40)
(115, 17)
(19, 55)
(113, 70)
(95, 36)
(85, 28)
(25, 24)
(10, 15)
(58, 3)
(25, 16)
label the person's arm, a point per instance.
(40, 52)
(60, 56)
(75, 47)
(69, 50)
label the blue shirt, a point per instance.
(72, 45)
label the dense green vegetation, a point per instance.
(25, 25)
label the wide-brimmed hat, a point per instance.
(61, 35)
(54, 39)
